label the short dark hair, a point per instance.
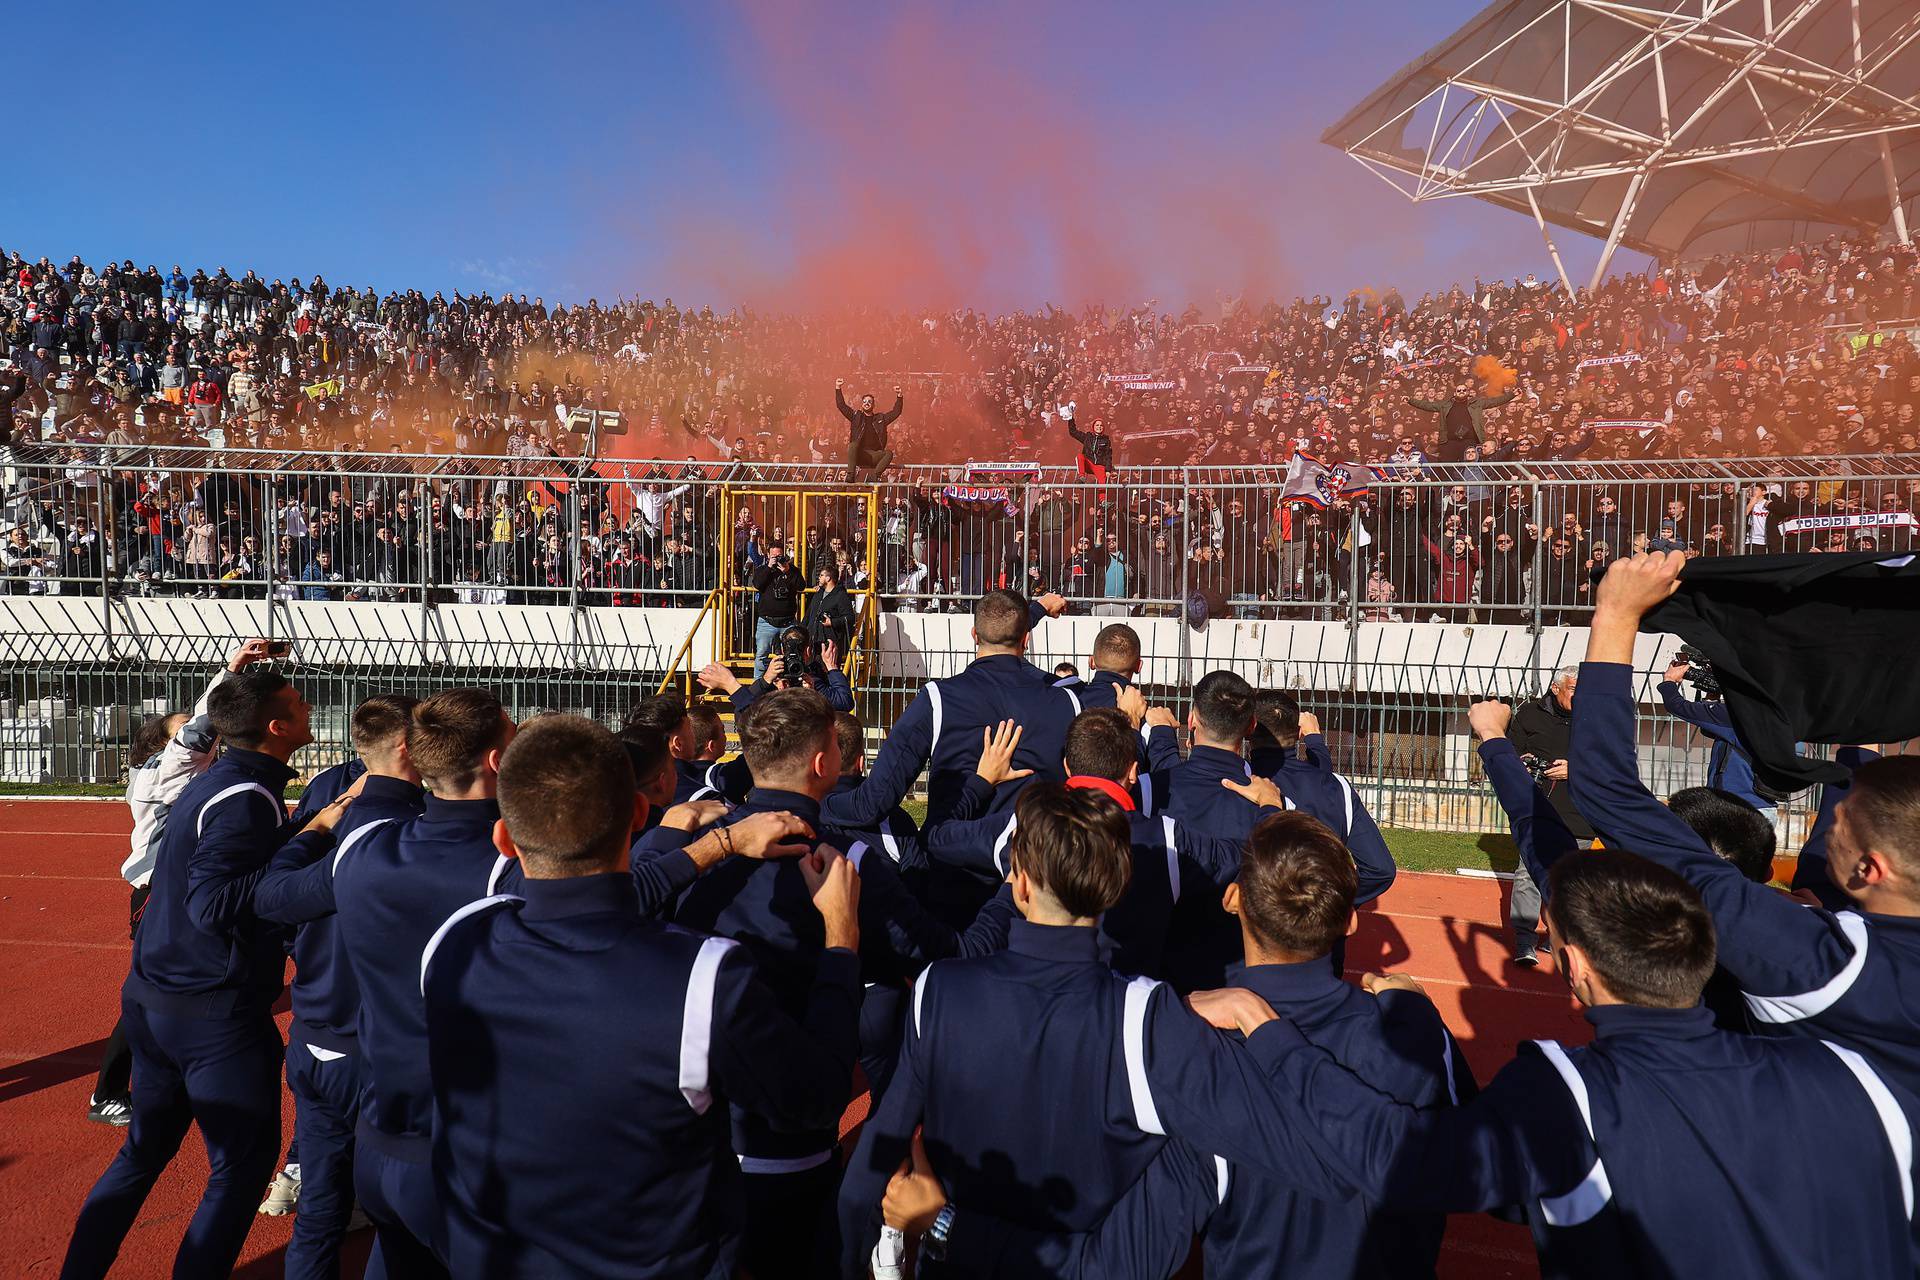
(1116, 648)
(566, 795)
(1883, 809)
(1075, 844)
(661, 713)
(787, 726)
(1101, 743)
(1276, 714)
(1297, 884)
(242, 706)
(379, 720)
(451, 734)
(648, 751)
(853, 740)
(1732, 828)
(708, 731)
(1000, 617)
(1645, 930)
(1223, 703)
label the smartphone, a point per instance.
(279, 648)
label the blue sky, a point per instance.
(716, 153)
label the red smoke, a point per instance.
(936, 149)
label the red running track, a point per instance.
(63, 953)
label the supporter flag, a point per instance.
(1313, 482)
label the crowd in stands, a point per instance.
(1761, 356)
(575, 1001)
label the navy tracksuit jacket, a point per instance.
(1169, 862)
(327, 786)
(324, 1071)
(1105, 1067)
(767, 907)
(1666, 1147)
(1843, 976)
(940, 731)
(1255, 1224)
(1312, 787)
(1728, 766)
(392, 890)
(583, 1058)
(197, 1011)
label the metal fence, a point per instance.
(276, 540)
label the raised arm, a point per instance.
(902, 756)
(1537, 828)
(840, 402)
(1783, 955)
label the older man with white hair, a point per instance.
(1541, 729)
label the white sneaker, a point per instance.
(283, 1196)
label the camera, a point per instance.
(1699, 670)
(793, 656)
(1536, 767)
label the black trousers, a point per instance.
(116, 1064)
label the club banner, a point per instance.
(1624, 424)
(321, 390)
(1124, 379)
(981, 494)
(1864, 520)
(1165, 433)
(1161, 384)
(1596, 362)
(1005, 472)
(1262, 369)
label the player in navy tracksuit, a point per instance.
(1169, 861)
(940, 730)
(896, 834)
(1045, 1082)
(1294, 899)
(694, 734)
(1851, 976)
(324, 1071)
(1665, 1147)
(583, 1057)
(793, 747)
(1311, 785)
(197, 1004)
(1221, 718)
(396, 884)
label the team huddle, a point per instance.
(576, 1002)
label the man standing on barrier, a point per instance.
(867, 434)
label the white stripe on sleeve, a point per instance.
(1778, 1009)
(1133, 1044)
(696, 1024)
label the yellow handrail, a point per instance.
(686, 648)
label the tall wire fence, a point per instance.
(129, 572)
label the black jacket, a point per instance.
(1541, 729)
(868, 429)
(779, 593)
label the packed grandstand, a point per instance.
(1780, 359)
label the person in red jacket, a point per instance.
(204, 397)
(1454, 566)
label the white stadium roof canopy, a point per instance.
(1677, 129)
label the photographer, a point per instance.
(1541, 728)
(777, 586)
(1728, 768)
(793, 652)
(830, 615)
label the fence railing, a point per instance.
(571, 589)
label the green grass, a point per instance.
(1444, 851)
